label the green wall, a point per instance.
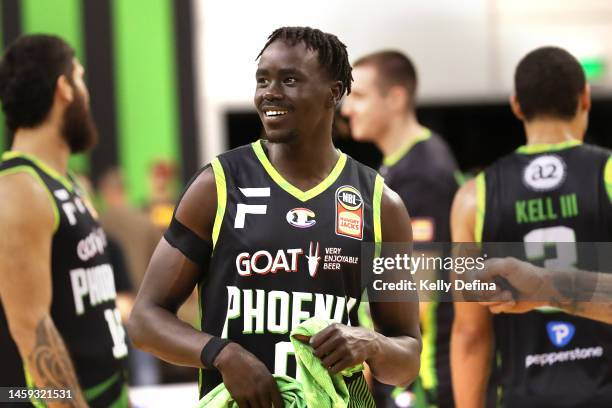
(62, 18)
(145, 67)
(143, 46)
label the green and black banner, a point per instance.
(139, 67)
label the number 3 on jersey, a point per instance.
(564, 240)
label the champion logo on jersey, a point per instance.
(560, 333)
(349, 212)
(301, 218)
(544, 173)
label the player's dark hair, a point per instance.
(331, 51)
(548, 82)
(394, 69)
(29, 70)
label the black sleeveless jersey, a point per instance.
(282, 255)
(551, 194)
(83, 304)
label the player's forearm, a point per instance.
(396, 360)
(470, 366)
(160, 332)
(582, 293)
(48, 361)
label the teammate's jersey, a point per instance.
(550, 193)
(83, 303)
(282, 255)
(425, 175)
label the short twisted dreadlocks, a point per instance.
(332, 53)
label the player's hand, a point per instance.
(339, 346)
(247, 379)
(528, 286)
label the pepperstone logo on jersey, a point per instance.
(349, 212)
(560, 333)
(544, 173)
(301, 218)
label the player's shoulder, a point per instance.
(239, 154)
(204, 179)
(596, 151)
(466, 194)
(355, 165)
(25, 198)
(430, 159)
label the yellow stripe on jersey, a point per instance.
(481, 194)
(548, 147)
(44, 167)
(608, 177)
(397, 156)
(221, 198)
(376, 203)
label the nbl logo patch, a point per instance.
(349, 212)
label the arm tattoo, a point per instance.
(50, 365)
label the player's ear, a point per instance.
(335, 93)
(516, 108)
(584, 101)
(397, 98)
(64, 89)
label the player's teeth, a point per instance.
(275, 113)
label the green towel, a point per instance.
(320, 387)
(317, 387)
(291, 391)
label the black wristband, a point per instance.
(211, 350)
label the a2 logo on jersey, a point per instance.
(545, 173)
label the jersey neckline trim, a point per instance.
(392, 159)
(290, 188)
(44, 167)
(548, 147)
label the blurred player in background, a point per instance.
(553, 190)
(419, 166)
(59, 326)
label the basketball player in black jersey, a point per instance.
(284, 219)
(553, 190)
(419, 166)
(59, 326)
